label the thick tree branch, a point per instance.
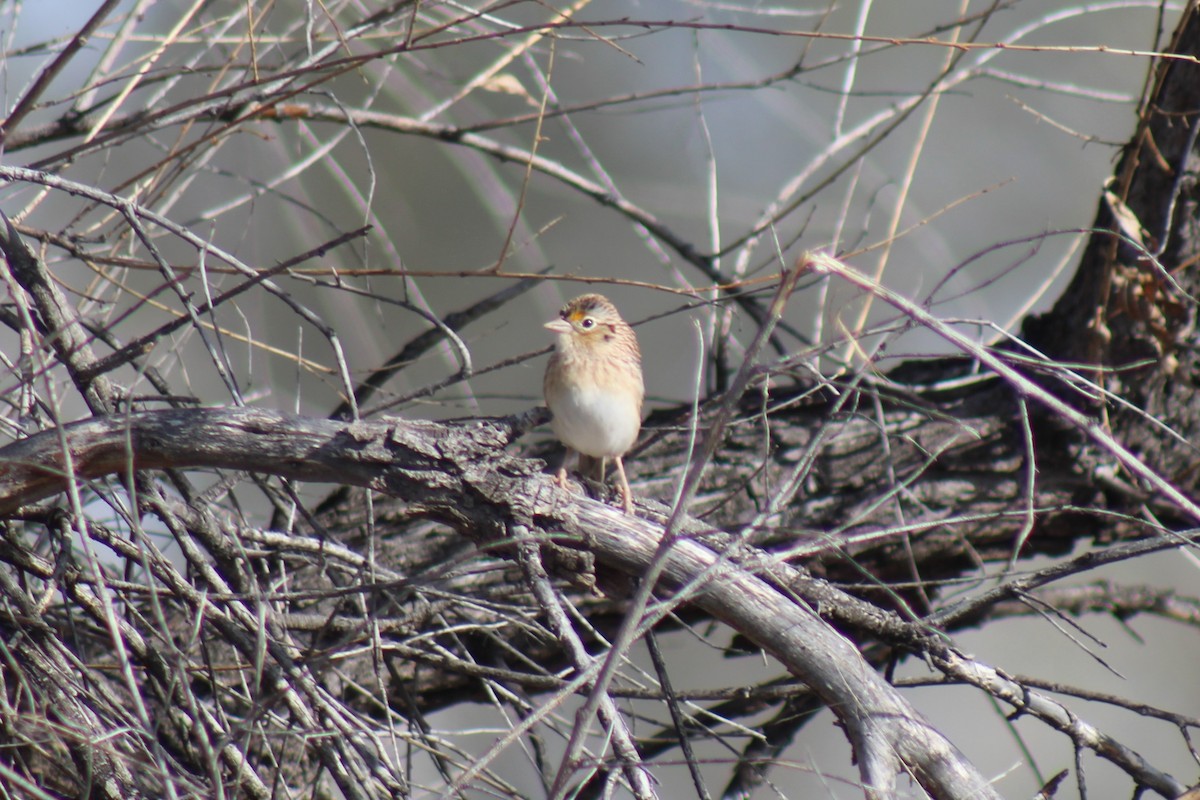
(461, 475)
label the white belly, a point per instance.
(594, 422)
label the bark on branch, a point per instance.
(460, 474)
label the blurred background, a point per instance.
(713, 146)
(796, 142)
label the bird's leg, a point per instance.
(626, 495)
(561, 477)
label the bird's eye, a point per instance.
(587, 323)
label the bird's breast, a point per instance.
(596, 420)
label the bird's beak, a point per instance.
(558, 326)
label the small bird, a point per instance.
(593, 385)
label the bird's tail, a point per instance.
(592, 467)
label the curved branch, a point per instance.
(459, 473)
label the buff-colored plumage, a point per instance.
(593, 385)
